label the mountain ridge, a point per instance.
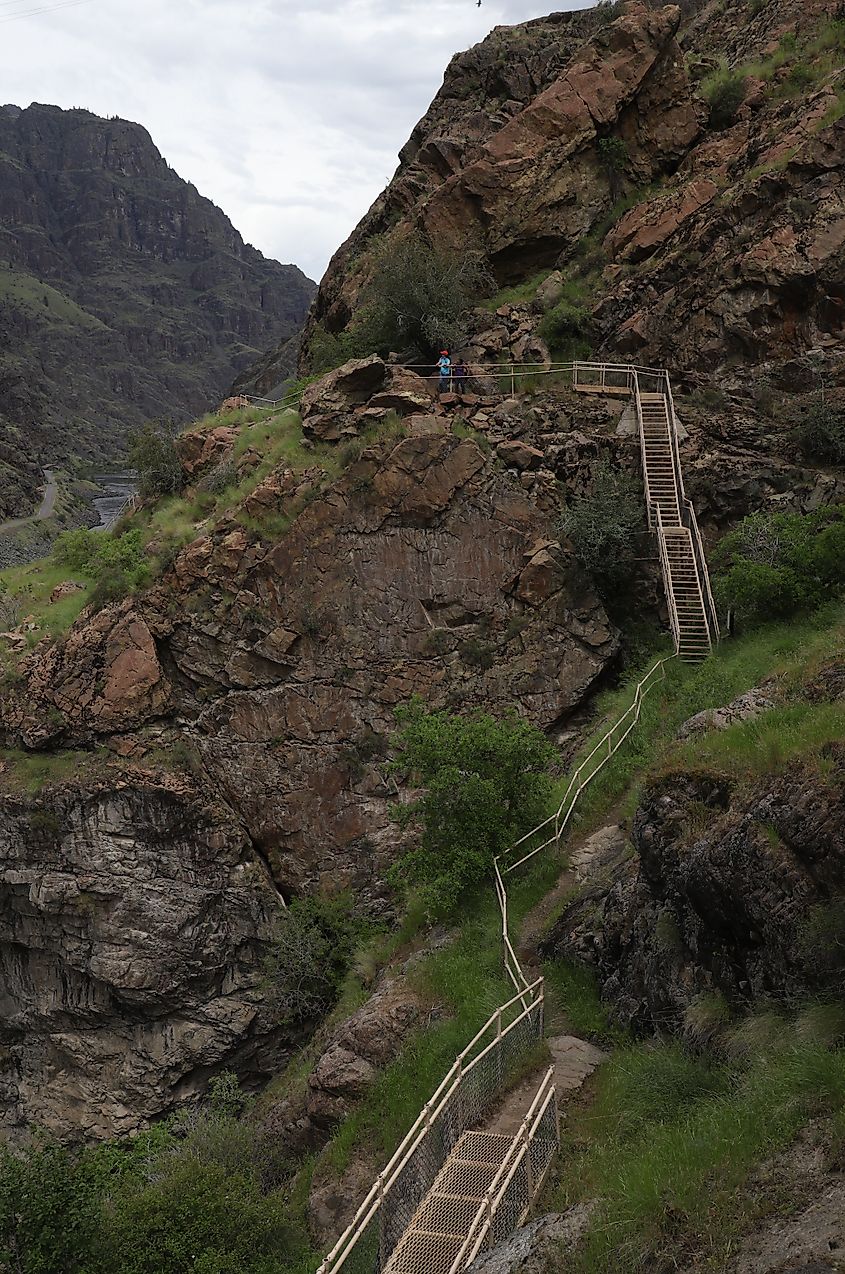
(125, 294)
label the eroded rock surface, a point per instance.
(270, 667)
(133, 921)
(726, 908)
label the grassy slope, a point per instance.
(673, 1137)
(667, 1126)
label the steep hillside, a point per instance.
(204, 859)
(124, 294)
(682, 174)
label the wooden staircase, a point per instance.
(666, 508)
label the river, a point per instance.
(116, 488)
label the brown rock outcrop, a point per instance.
(133, 923)
(731, 911)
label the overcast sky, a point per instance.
(288, 115)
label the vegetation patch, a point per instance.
(673, 1137)
(604, 526)
(201, 1193)
(779, 564)
(485, 785)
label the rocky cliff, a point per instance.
(400, 559)
(394, 544)
(734, 895)
(134, 921)
(124, 294)
(588, 143)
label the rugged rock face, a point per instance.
(417, 573)
(133, 920)
(269, 663)
(691, 246)
(735, 908)
(124, 294)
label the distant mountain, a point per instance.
(124, 294)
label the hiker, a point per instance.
(460, 372)
(444, 367)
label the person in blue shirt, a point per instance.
(444, 367)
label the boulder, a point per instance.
(519, 455)
(236, 403)
(344, 388)
(549, 292)
(745, 707)
(199, 449)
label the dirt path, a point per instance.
(573, 1059)
(44, 511)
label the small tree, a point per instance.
(776, 564)
(309, 957)
(820, 432)
(153, 454)
(724, 94)
(603, 526)
(419, 295)
(485, 786)
(613, 155)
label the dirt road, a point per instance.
(44, 511)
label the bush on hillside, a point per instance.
(820, 432)
(153, 453)
(116, 564)
(603, 527)
(419, 295)
(724, 95)
(327, 350)
(198, 1192)
(309, 957)
(566, 327)
(485, 785)
(777, 564)
(613, 156)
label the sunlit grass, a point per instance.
(672, 1137)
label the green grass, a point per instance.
(574, 991)
(41, 301)
(671, 1140)
(32, 771)
(29, 588)
(788, 651)
(765, 745)
(520, 294)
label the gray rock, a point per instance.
(133, 928)
(745, 707)
(528, 1250)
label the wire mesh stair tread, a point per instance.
(454, 1200)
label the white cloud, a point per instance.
(289, 116)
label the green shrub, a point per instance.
(820, 432)
(777, 564)
(822, 943)
(49, 1210)
(309, 957)
(565, 325)
(603, 526)
(724, 94)
(198, 1192)
(115, 564)
(327, 350)
(477, 654)
(800, 76)
(484, 786)
(153, 453)
(419, 295)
